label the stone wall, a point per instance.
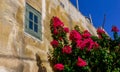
(21, 52)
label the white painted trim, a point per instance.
(30, 36)
(43, 16)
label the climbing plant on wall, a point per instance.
(76, 51)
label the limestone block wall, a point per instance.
(21, 52)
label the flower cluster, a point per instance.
(74, 35)
(57, 26)
(86, 34)
(81, 62)
(57, 23)
(115, 29)
(100, 32)
(66, 29)
(82, 52)
(83, 40)
(89, 43)
(59, 66)
(54, 43)
(67, 49)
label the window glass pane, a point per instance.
(31, 15)
(35, 27)
(30, 24)
(35, 19)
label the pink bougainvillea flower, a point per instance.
(55, 32)
(99, 36)
(114, 29)
(54, 43)
(86, 34)
(89, 43)
(96, 45)
(74, 35)
(60, 38)
(67, 49)
(80, 44)
(57, 22)
(66, 30)
(100, 31)
(59, 67)
(81, 62)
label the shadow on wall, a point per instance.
(39, 64)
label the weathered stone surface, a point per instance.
(18, 49)
(10, 65)
(30, 66)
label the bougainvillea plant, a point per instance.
(76, 51)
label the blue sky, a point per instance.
(97, 9)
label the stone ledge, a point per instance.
(16, 57)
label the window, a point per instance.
(62, 4)
(33, 22)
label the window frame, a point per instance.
(32, 32)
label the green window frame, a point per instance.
(33, 24)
